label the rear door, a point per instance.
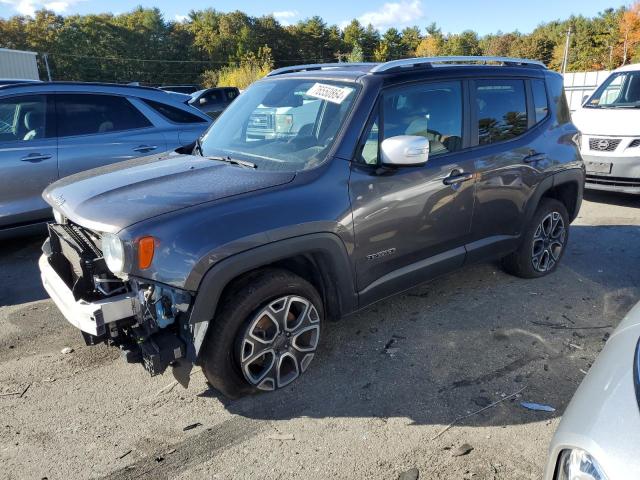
(99, 129)
(412, 222)
(28, 158)
(512, 150)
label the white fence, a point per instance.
(579, 84)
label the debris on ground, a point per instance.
(541, 407)
(66, 350)
(462, 450)
(125, 454)
(411, 474)
(191, 426)
(282, 436)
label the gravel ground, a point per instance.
(454, 346)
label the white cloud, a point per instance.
(393, 14)
(285, 16)
(181, 18)
(29, 7)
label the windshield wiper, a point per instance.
(233, 161)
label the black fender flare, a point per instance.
(335, 267)
(575, 175)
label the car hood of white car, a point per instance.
(615, 122)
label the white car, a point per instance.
(609, 121)
(599, 434)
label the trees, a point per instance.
(141, 45)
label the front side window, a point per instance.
(620, 90)
(501, 109)
(433, 111)
(23, 118)
(283, 124)
(87, 114)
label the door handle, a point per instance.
(145, 148)
(35, 157)
(534, 157)
(456, 177)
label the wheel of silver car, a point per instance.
(548, 242)
(279, 342)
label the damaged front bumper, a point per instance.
(148, 321)
(90, 317)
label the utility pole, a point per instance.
(565, 59)
(46, 64)
(624, 55)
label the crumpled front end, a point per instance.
(147, 320)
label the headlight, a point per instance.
(58, 217)
(113, 252)
(577, 464)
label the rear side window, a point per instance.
(501, 109)
(86, 114)
(23, 118)
(231, 94)
(173, 114)
(540, 101)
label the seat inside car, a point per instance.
(33, 125)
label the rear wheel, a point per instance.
(265, 335)
(543, 244)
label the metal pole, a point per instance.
(46, 64)
(624, 56)
(565, 60)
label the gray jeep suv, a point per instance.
(49, 130)
(233, 254)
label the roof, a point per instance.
(409, 64)
(634, 67)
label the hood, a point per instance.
(616, 122)
(110, 198)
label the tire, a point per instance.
(547, 232)
(265, 334)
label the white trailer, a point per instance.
(18, 65)
(579, 84)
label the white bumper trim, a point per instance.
(90, 317)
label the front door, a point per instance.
(412, 223)
(28, 159)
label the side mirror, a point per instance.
(405, 151)
(202, 101)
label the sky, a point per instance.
(487, 16)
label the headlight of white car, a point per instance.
(576, 464)
(113, 252)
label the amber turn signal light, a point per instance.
(146, 247)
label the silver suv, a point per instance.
(51, 130)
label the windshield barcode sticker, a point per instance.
(330, 93)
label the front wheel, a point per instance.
(265, 335)
(543, 244)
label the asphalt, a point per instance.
(395, 387)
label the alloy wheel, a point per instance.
(548, 242)
(279, 342)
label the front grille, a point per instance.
(614, 181)
(604, 144)
(635, 143)
(75, 256)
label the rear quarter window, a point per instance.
(173, 114)
(540, 102)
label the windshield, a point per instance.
(281, 124)
(620, 90)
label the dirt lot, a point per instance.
(361, 411)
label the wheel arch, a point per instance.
(566, 186)
(321, 259)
